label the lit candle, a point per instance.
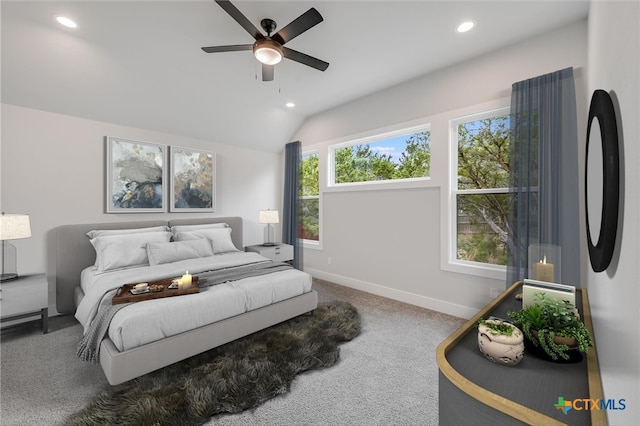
(543, 271)
(185, 281)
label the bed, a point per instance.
(123, 358)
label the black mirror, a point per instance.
(602, 123)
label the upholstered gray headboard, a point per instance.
(71, 251)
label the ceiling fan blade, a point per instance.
(302, 23)
(240, 18)
(267, 72)
(230, 48)
(294, 55)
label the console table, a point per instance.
(474, 390)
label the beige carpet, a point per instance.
(387, 375)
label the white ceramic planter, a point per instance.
(500, 348)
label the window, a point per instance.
(481, 188)
(404, 154)
(309, 227)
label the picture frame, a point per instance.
(135, 176)
(193, 180)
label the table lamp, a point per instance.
(12, 227)
(268, 217)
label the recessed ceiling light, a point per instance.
(67, 22)
(465, 26)
(290, 104)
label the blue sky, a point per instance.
(393, 146)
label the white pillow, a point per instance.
(180, 250)
(198, 226)
(125, 250)
(220, 238)
(201, 226)
(101, 232)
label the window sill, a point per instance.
(476, 269)
(309, 244)
(382, 185)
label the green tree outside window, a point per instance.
(309, 226)
(363, 163)
(482, 190)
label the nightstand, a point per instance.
(278, 252)
(27, 296)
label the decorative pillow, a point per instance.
(220, 238)
(179, 250)
(125, 250)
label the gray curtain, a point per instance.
(290, 208)
(544, 173)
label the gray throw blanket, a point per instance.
(209, 278)
(89, 345)
(88, 348)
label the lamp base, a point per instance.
(268, 236)
(8, 277)
(9, 261)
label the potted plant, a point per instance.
(500, 341)
(554, 326)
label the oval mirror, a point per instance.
(602, 131)
(594, 187)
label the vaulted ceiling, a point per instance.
(139, 63)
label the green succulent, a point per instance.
(551, 317)
(496, 328)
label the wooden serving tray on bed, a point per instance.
(124, 294)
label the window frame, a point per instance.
(372, 137)
(306, 243)
(449, 260)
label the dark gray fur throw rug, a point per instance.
(231, 378)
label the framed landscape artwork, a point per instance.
(193, 180)
(135, 176)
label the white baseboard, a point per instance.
(395, 294)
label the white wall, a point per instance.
(614, 43)
(388, 242)
(53, 168)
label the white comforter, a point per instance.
(145, 322)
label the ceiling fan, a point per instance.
(269, 49)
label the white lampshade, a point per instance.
(14, 226)
(268, 216)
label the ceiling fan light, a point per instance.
(267, 52)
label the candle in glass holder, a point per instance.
(543, 271)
